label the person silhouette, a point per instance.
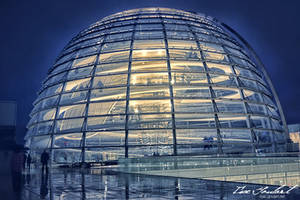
(44, 161)
(24, 160)
(44, 186)
(28, 162)
(28, 178)
(205, 140)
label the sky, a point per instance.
(33, 33)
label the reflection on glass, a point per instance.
(44, 128)
(189, 78)
(148, 44)
(145, 151)
(150, 137)
(65, 58)
(113, 57)
(149, 78)
(149, 121)
(84, 61)
(112, 68)
(182, 44)
(148, 54)
(67, 140)
(240, 61)
(74, 97)
(151, 66)
(194, 136)
(177, 27)
(148, 34)
(279, 137)
(149, 106)
(51, 91)
(204, 35)
(45, 103)
(211, 47)
(222, 80)
(230, 106)
(68, 125)
(219, 68)
(40, 142)
(273, 112)
(56, 78)
(105, 138)
(249, 83)
(62, 67)
(121, 29)
(226, 93)
(63, 156)
(194, 120)
(106, 123)
(77, 84)
(191, 91)
(215, 56)
(105, 108)
(257, 109)
(263, 136)
(47, 114)
(252, 96)
(108, 94)
(243, 72)
(179, 35)
(108, 81)
(142, 27)
(79, 72)
(236, 52)
(235, 135)
(184, 54)
(232, 121)
(104, 154)
(87, 51)
(115, 46)
(276, 125)
(188, 66)
(193, 105)
(268, 100)
(119, 36)
(144, 92)
(260, 122)
(71, 111)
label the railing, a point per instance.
(161, 163)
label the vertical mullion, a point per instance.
(264, 72)
(217, 122)
(170, 88)
(246, 106)
(247, 110)
(128, 88)
(56, 112)
(84, 125)
(274, 145)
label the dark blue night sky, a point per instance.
(34, 32)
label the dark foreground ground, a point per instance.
(107, 184)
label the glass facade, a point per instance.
(154, 81)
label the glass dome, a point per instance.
(154, 81)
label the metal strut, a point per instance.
(262, 67)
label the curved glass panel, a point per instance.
(149, 82)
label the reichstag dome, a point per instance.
(155, 82)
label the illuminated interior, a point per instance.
(153, 82)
